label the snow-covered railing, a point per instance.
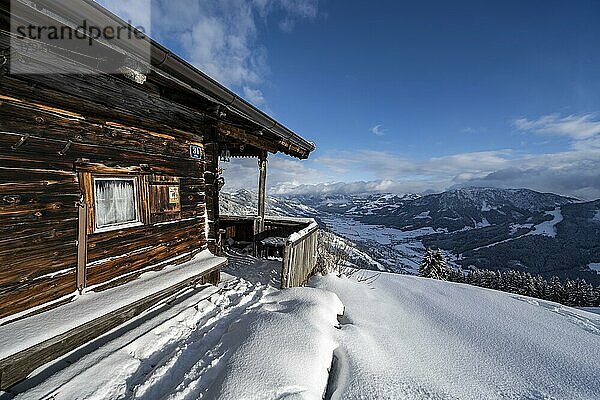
(299, 256)
(298, 236)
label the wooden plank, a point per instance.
(162, 179)
(37, 231)
(23, 176)
(129, 277)
(109, 156)
(19, 265)
(106, 98)
(113, 243)
(165, 202)
(299, 259)
(262, 189)
(102, 272)
(245, 137)
(38, 292)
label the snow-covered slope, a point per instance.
(405, 337)
(245, 202)
(401, 337)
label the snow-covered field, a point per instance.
(401, 337)
(406, 337)
(548, 228)
(403, 247)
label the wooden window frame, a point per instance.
(138, 212)
(141, 186)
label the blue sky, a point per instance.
(408, 96)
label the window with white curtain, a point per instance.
(115, 202)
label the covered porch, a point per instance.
(290, 243)
(290, 240)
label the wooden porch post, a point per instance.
(262, 188)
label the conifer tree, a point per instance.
(426, 267)
(570, 297)
(434, 265)
(557, 291)
(443, 268)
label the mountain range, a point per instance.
(477, 228)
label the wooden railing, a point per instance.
(299, 256)
(299, 253)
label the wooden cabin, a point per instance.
(106, 176)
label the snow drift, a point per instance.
(401, 337)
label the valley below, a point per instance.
(476, 228)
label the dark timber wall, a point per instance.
(56, 132)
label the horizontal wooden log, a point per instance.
(115, 243)
(72, 152)
(51, 213)
(9, 159)
(246, 137)
(31, 196)
(105, 97)
(21, 264)
(23, 191)
(157, 218)
(13, 177)
(28, 245)
(162, 179)
(32, 119)
(47, 229)
(211, 277)
(36, 293)
(114, 268)
(197, 212)
(15, 205)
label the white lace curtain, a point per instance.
(115, 202)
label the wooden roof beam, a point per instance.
(245, 137)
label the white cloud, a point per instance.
(472, 131)
(573, 172)
(254, 96)
(287, 25)
(283, 173)
(139, 12)
(378, 130)
(220, 37)
(577, 127)
(300, 8)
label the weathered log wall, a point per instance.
(44, 147)
(38, 233)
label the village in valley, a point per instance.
(165, 234)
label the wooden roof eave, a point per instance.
(277, 138)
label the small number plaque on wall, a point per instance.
(173, 195)
(195, 151)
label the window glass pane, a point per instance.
(115, 202)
